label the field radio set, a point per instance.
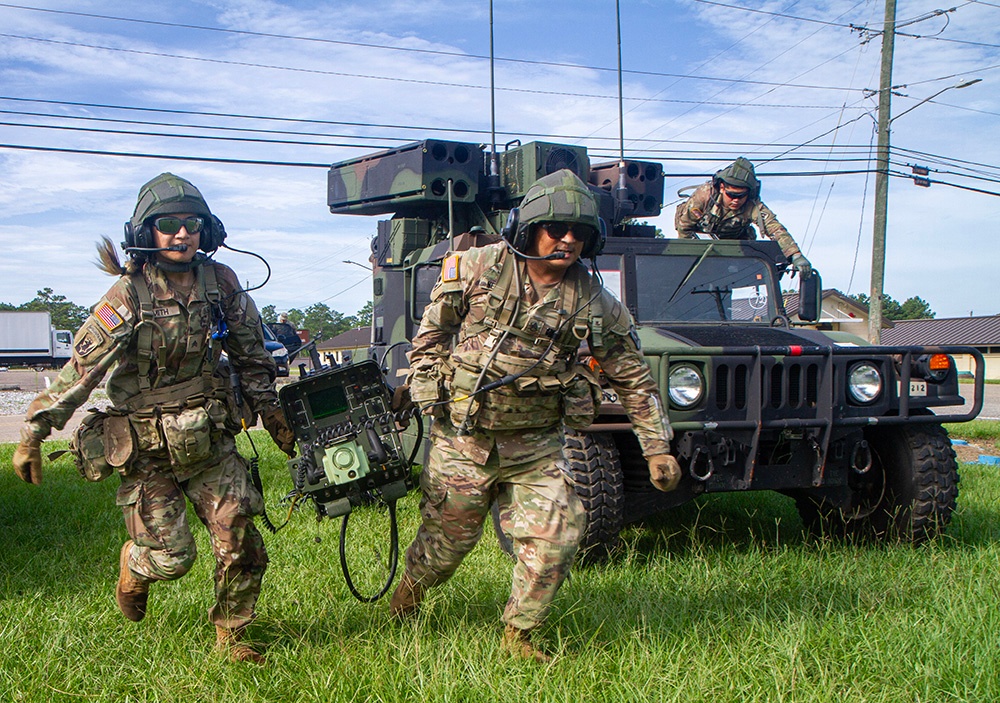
(347, 438)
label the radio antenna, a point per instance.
(494, 176)
(622, 203)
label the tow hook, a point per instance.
(701, 467)
(861, 457)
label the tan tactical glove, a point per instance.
(277, 426)
(664, 472)
(28, 458)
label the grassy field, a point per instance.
(723, 600)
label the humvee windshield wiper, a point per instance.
(694, 267)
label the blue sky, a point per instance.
(705, 82)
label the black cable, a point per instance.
(393, 556)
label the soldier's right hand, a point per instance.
(28, 458)
(664, 472)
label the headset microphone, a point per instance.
(176, 247)
(550, 257)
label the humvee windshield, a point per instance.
(699, 289)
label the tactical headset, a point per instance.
(140, 238)
(518, 236)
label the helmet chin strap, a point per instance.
(176, 267)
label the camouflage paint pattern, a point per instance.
(704, 212)
(524, 472)
(153, 504)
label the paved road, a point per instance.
(33, 381)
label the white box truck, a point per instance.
(28, 338)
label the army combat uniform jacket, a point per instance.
(177, 352)
(704, 212)
(540, 339)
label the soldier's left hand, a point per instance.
(664, 472)
(277, 426)
(28, 459)
(802, 265)
(402, 405)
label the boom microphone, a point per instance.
(550, 257)
(175, 247)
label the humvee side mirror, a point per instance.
(810, 296)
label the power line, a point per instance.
(432, 52)
(394, 79)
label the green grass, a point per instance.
(723, 599)
(983, 432)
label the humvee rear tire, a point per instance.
(596, 472)
(908, 495)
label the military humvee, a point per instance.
(756, 402)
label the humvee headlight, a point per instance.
(684, 385)
(864, 383)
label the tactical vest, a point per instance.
(711, 220)
(546, 375)
(180, 417)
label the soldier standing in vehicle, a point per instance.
(517, 311)
(728, 207)
(162, 328)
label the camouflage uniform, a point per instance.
(512, 450)
(154, 483)
(704, 212)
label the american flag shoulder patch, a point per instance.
(449, 270)
(108, 317)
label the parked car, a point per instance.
(277, 350)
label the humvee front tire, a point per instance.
(908, 494)
(596, 469)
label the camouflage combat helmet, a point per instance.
(739, 174)
(168, 194)
(559, 197)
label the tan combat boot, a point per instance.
(518, 643)
(230, 641)
(406, 598)
(130, 593)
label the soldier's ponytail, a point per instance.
(108, 261)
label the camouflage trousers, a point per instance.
(539, 510)
(224, 499)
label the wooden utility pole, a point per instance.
(882, 175)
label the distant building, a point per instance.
(983, 333)
(346, 347)
(838, 312)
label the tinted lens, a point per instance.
(558, 230)
(172, 225)
(737, 196)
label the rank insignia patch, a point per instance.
(449, 270)
(108, 317)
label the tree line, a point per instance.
(915, 308)
(322, 321)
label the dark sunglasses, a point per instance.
(172, 225)
(736, 196)
(558, 230)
